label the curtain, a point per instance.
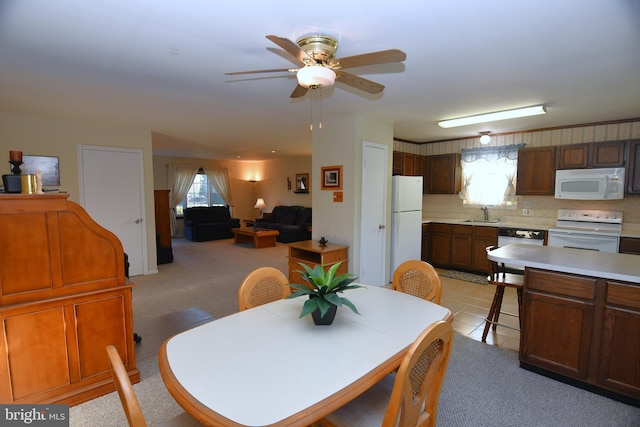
(181, 176)
(488, 175)
(219, 178)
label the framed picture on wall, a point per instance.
(331, 177)
(302, 183)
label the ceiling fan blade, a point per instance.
(299, 92)
(381, 57)
(292, 48)
(359, 82)
(275, 70)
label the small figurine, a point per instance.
(39, 182)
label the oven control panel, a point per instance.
(611, 217)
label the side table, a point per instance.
(312, 253)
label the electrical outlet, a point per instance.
(526, 212)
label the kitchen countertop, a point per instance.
(623, 267)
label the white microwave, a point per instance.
(590, 184)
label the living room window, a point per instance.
(201, 193)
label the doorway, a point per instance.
(111, 191)
(373, 214)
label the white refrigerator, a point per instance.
(406, 220)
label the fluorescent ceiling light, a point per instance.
(492, 117)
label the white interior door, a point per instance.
(373, 217)
(111, 191)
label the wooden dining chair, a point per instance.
(501, 279)
(408, 398)
(261, 286)
(419, 279)
(129, 400)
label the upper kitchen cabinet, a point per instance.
(605, 154)
(574, 156)
(633, 169)
(536, 172)
(407, 164)
(397, 163)
(442, 174)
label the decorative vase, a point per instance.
(328, 317)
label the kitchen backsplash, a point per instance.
(543, 209)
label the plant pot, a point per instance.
(328, 317)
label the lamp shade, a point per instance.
(316, 75)
(260, 203)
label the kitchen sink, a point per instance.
(485, 221)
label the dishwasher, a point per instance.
(525, 236)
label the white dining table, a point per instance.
(267, 367)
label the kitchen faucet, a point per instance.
(486, 212)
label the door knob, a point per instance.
(381, 226)
(138, 221)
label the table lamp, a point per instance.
(260, 205)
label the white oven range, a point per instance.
(587, 229)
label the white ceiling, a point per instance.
(160, 64)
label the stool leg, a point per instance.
(519, 291)
(490, 315)
(496, 315)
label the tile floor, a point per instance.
(470, 302)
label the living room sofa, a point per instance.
(293, 223)
(209, 223)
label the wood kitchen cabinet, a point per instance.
(461, 246)
(582, 328)
(629, 245)
(439, 244)
(407, 164)
(633, 168)
(619, 346)
(443, 174)
(606, 154)
(424, 252)
(397, 163)
(574, 156)
(482, 237)
(536, 171)
(558, 322)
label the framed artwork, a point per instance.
(49, 166)
(302, 183)
(331, 177)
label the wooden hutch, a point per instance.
(63, 299)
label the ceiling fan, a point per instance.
(318, 67)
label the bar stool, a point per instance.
(501, 279)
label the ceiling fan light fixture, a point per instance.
(492, 117)
(316, 76)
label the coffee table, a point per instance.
(260, 238)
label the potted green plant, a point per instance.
(322, 289)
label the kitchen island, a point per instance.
(580, 316)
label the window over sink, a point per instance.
(489, 176)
